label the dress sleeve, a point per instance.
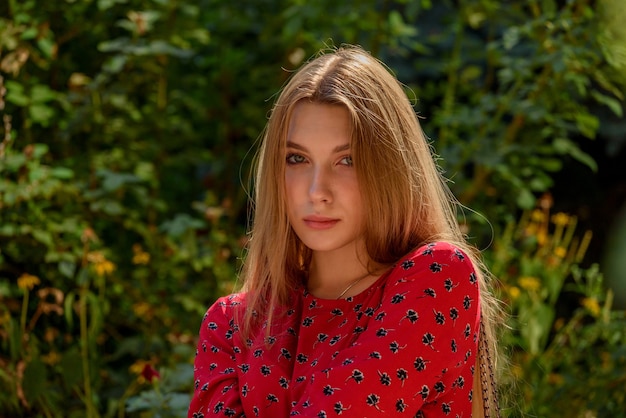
(418, 348)
(216, 386)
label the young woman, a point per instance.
(360, 297)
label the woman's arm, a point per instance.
(216, 389)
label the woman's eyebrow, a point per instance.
(344, 147)
(291, 144)
(339, 148)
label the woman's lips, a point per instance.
(320, 222)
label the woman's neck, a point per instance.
(340, 274)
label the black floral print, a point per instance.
(404, 347)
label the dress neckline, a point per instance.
(379, 282)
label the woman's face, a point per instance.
(323, 195)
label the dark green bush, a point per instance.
(128, 132)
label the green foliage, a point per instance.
(128, 130)
(561, 363)
(101, 241)
(506, 92)
(169, 397)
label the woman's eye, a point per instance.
(347, 160)
(295, 159)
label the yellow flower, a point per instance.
(592, 305)
(137, 366)
(530, 230)
(51, 358)
(101, 264)
(27, 281)
(140, 256)
(144, 371)
(514, 292)
(560, 252)
(141, 308)
(542, 237)
(560, 219)
(95, 257)
(529, 283)
(105, 267)
(537, 216)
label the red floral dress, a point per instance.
(406, 346)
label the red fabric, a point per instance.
(404, 347)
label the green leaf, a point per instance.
(47, 46)
(14, 162)
(8, 230)
(525, 199)
(96, 318)
(540, 183)
(43, 236)
(612, 103)
(68, 309)
(566, 146)
(178, 378)
(112, 181)
(145, 171)
(82, 279)
(191, 304)
(15, 93)
(15, 338)
(37, 173)
(42, 93)
(537, 324)
(177, 403)
(115, 64)
(161, 47)
(511, 37)
(181, 224)
(115, 45)
(67, 268)
(145, 401)
(470, 73)
(112, 207)
(41, 113)
(552, 164)
(39, 150)
(107, 4)
(70, 368)
(35, 378)
(5, 288)
(30, 33)
(398, 27)
(587, 124)
(62, 173)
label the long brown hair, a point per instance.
(406, 198)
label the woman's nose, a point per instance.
(319, 188)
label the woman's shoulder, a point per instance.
(437, 270)
(438, 250)
(435, 257)
(224, 307)
(233, 307)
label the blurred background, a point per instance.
(127, 132)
